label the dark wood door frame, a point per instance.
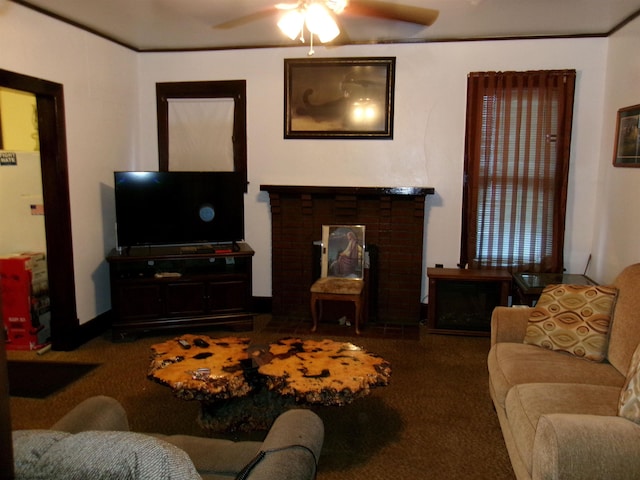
(55, 192)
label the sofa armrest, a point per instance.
(584, 447)
(291, 449)
(509, 324)
(94, 413)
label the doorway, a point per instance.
(55, 194)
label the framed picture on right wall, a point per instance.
(627, 147)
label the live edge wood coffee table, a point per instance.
(244, 387)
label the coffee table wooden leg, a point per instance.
(358, 315)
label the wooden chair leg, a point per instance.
(314, 313)
(316, 309)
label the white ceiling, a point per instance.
(145, 25)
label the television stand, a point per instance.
(168, 288)
(211, 248)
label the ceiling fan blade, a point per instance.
(252, 17)
(343, 37)
(392, 11)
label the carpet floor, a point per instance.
(41, 379)
(434, 420)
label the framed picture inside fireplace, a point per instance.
(343, 252)
(339, 98)
(627, 140)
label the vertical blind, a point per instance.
(518, 136)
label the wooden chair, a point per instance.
(342, 279)
(337, 289)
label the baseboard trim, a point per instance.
(93, 328)
(100, 324)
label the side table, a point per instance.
(461, 300)
(529, 286)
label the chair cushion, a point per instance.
(214, 456)
(573, 319)
(338, 286)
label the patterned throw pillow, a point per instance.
(573, 319)
(629, 404)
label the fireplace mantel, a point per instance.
(394, 221)
(357, 191)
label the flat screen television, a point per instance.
(178, 208)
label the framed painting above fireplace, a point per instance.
(339, 98)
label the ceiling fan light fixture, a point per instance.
(319, 22)
(291, 23)
(337, 6)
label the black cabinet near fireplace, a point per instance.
(461, 300)
(164, 288)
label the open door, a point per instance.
(55, 192)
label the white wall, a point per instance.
(427, 149)
(616, 226)
(100, 99)
(20, 189)
(110, 112)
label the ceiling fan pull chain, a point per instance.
(311, 51)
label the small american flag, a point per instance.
(37, 209)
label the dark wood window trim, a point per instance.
(235, 89)
(517, 146)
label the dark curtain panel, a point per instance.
(517, 143)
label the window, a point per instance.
(518, 136)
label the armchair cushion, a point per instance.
(573, 319)
(94, 413)
(98, 455)
(290, 449)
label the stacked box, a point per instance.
(26, 312)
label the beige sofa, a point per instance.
(93, 441)
(558, 412)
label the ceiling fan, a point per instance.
(320, 17)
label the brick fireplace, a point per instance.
(394, 220)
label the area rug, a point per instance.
(41, 379)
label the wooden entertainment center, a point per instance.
(154, 288)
